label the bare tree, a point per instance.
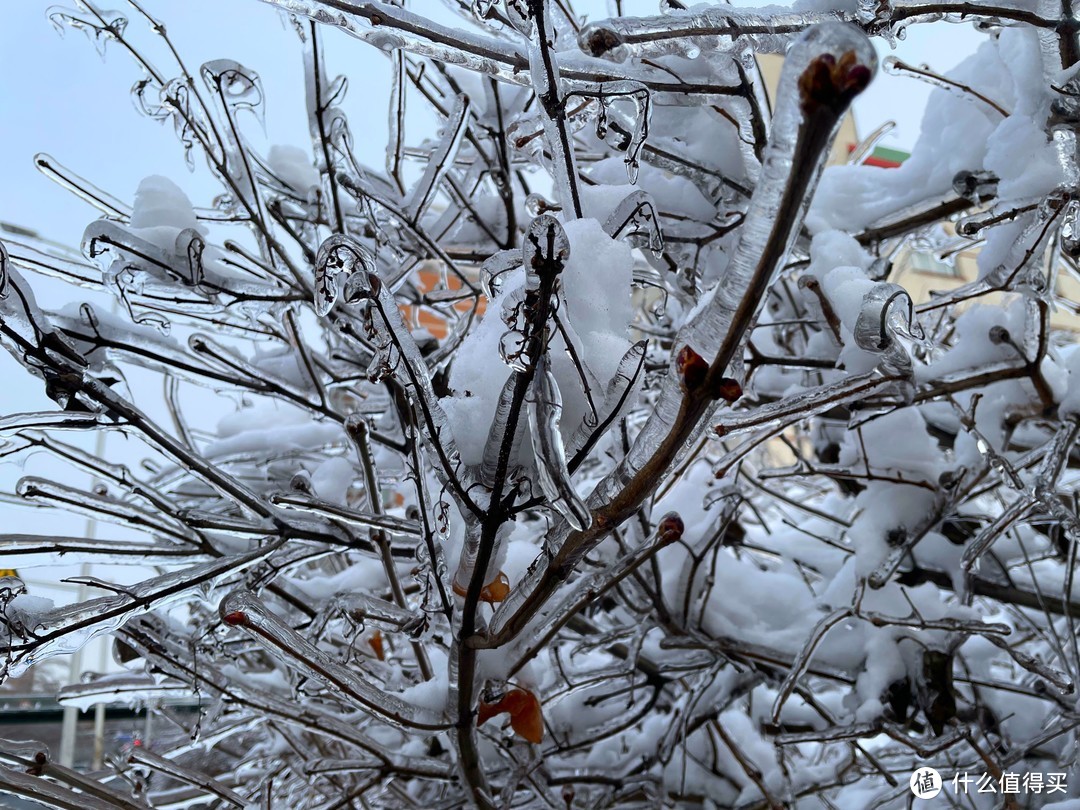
(606, 467)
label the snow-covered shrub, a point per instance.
(585, 454)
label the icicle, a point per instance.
(517, 11)
(824, 70)
(493, 445)
(389, 27)
(163, 647)
(716, 29)
(109, 552)
(894, 66)
(879, 322)
(494, 268)
(636, 217)
(866, 146)
(327, 124)
(620, 393)
(120, 688)
(82, 188)
(470, 549)
(440, 161)
(100, 27)
(374, 612)
(544, 72)
(40, 791)
(5, 261)
(795, 407)
(545, 415)
(1070, 230)
(24, 323)
(396, 118)
(398, 353)
(339, 255)
(626, 138)
(238, 87)
(100, 507)
(1065, 107)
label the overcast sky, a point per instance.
(57, 96)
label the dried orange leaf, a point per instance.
(376, 643)
(528, 722)
(526, 719)
(496, 590)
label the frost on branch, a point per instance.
(586, 451)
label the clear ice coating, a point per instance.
(545, 417)
(310, 388)
(887, 311)
(788, 179)
(340, 255)
(100, 27)
(636, 218)
(244, 609)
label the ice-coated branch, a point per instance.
(724, 27)
(582, 263)
(244, 609)
(823, 72)
(63, 630)
(390, 27)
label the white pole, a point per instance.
(70, 723)
(69, 726)
(149, 725)
(99, 712)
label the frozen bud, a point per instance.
(301, 482)
(691, 368)
(597, 39)
(670, 529)
(975, 185)
(832, 83)
(999, 335)
(896, 536)
(231, 610)
(950, 478)
(357, 427)
(537, 204)
(234, 618)
(41, 759)
(728, 389)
